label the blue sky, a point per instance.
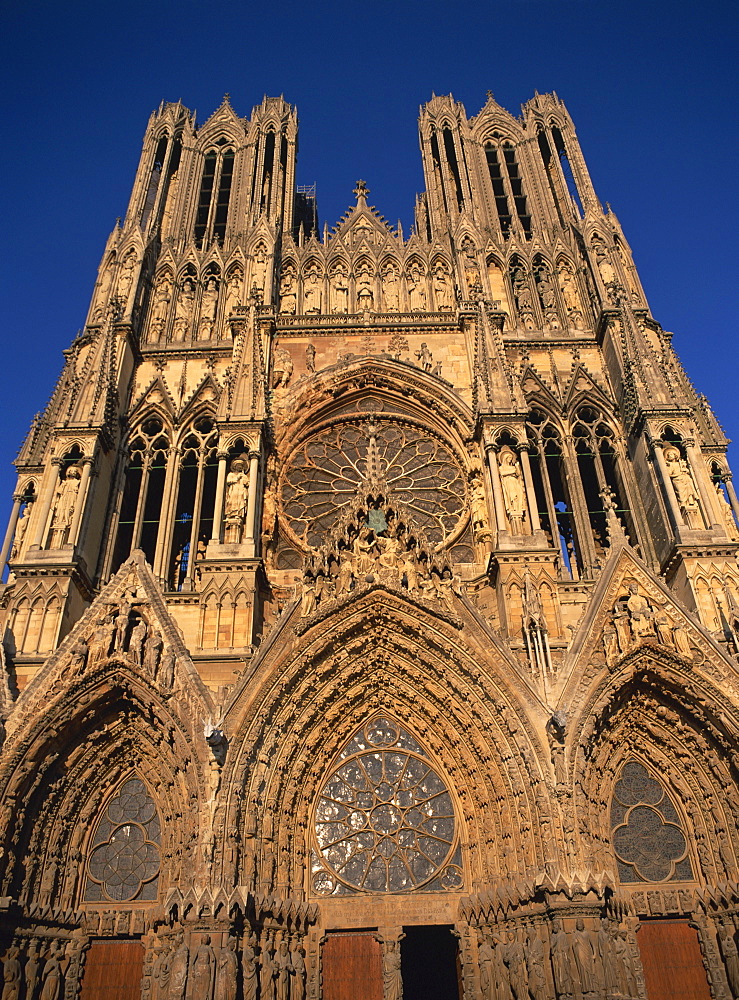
(651, 87)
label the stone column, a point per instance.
(81, 499)
(251, 506)
(12, 524)
(673, 508)
(530, 491)
(733, 499)
(43, 516)
(698, 469)
(220, 491)
(166, 517)
(500, 515)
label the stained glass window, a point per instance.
(650, 846)
(124, 862)
(384, 820)
(328, 470)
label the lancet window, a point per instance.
(166, 163)
(384, 820)
(124, 859)
(193, 520)
(140, 505)
(647, 834)
(508, 189)
(215, 193)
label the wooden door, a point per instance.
(351, 966)
(672, 961)
(113, 970)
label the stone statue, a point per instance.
(442, 290)
(259, 268)
(65, 501)
(727, 514)
(640, 613)
(584, 958)
(560, 949)
(282, 971)
(249, 970)
(236, 500)
(160, 307)
(606, 956)
(51, 980)
(339, 291)
(478, 504)
(515, 962)
(184, 311)
(535, 967)
(425, 358)
(152, 652)
(166, 670)
(514, 494)
(20, 532)
(486, 961)
(312, 292)
(681, 641)
(125, 279)
(391, 290)
(731, 956)
(233, 291)
(136, 642)
(267, 976)
(682, 482)
(208, 307)
(310, 358)
(524, 300)
(365, 293)
(33, 966)
(282, 368)
(227, 971)
(288, 299)
(297, 967)
(202, 971)
(417, 291)
(178, 972)
(626, 977)
(391, 977)
(12, 975)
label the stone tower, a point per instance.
(372, 613)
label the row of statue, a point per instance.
(123, 631)
(373, 544)
(204, 973)
(41, 978)
(583, 962)
(637, 619)
(366, 290)
(539, 288)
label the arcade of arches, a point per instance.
(371, 612)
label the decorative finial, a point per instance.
(490, 95)
(361, 191)
(227, 98)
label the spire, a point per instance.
(361, 191)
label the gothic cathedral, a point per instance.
(371, 623)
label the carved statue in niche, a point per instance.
(178, 971)
(288, 302)
(160, 307)
(442, 289)
(282, 368)
(515, 962)
(208, 307)
(20, 532)
(165, 675)
(267, 973)
(125, 279)
(571, 297)
(12, 975)
(727, 514)
(51, 979)
(391, 976)
(391, 289)
(425, 357)
(312, 291)
(731, 955)
(535, 967)
(339, 282)
(33, 966)
(202, 971)
(416, 283)
(524, 300)
(640, 613)
(227, 971)
(682, 482)
(65, 500)
(234, 287)
(514, 493)
(561, 960)
(548, 298)
(250, 981)
(584, 958)
(106, 278)
(626, 978)
(160, 974)
(478, 503)
(297, 968)
(282, 971)
(184, 311)
(259, 267)
(365, 293)
(605, 268)
(471, 268)
(234, 507)
(486, 961)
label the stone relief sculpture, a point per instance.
(730, 952)
(416, 283)
(365, 290)
(442, 289)
(523, 298)
(391, 976)
(51, 978)
(288, 301)
(548, 298)
(636, 619)
(682, 483)
(202, 971)
(160, 307)
(125, 278)
(259, 268)
(425, 357)
(234, 288)
(727, 514)
(391, 289)
(297, 968)
(184, 310)
(12, 975)
(234, 507)
(514, 493)
(65, 501)
(20, 532)
(339, 290)
(250, 978)
(584, 958)
(282, 368)
(535, 960)
(208, 308)
(312, 292)
(571, 297)
(179, 971)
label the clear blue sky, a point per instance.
(651, 86)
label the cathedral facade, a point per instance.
(372, 613)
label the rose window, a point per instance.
(125, 859)
(384, 820)
(649, 843)
(328, 470)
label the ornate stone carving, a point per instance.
(514, 493)
(65, 501)
(236, 499)
(682, 482)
